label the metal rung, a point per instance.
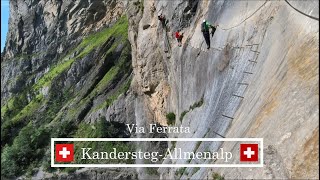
(227, 116)
(255, 51)
(237, 96)
(219, 134)
(252, 61)
(247, 72)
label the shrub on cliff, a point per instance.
(26, 148)
(171, 118)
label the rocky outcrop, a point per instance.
(41, 32)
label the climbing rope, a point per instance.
(247, 17)
(312, 17)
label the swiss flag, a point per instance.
(249, 152)
(64, 152)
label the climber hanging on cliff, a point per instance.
(205, 28)
(179, 37)
(162, 19)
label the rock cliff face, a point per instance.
(43, 31)
(65, 70)
(70, 65)
(258, 79)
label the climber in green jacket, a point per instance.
(205, 28)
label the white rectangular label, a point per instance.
(260, 140)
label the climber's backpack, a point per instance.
(203, 27)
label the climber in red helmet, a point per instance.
(179, 37)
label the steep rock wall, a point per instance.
(258, 79)
(41, 32)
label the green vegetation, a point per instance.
(152, 171)
(29, 109)
(173, 145)
(195, 169)
(27, 148)
(53, 73)
(101, 129)
(26, 131)
(119, 30)
(197, 145)
(122, 89)
(95, 130)
(121, 66)
(31, 135)
(19, 113)
(9, 106)
(216, 176)
(195, 105)
(180, 171)
(13, 121)
(14, 105)
(183, 114)
(106, 79)
(171, 118)
(30, 144)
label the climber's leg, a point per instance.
(179, 41)
(206, 36)
(163, 23)
(213, 31)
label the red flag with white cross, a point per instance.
(64, 152)
(249, 152)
